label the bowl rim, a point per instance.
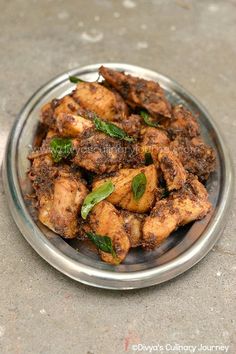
(85, 273)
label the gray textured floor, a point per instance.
(192, 41)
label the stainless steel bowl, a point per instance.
(182, 249)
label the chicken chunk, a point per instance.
(123, 195)
(99, 153)
(182, 123)
(133, 226)
(154, 136)
(97, 98)
(172, 168)
(105, 220)
(50, 111)
(44, 209)
(152, 139)
(181, 207)
(73, 125)
(42, 171)
(131, 125)
(66, 105)
(68, 197)
(51, 134)
(196, 156)
(46, 114)
(60, 194)
(138, 92)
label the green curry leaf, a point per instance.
(96, 196)
(111, 130)
(61, 148)
(146, 118)
(139, 183)
(75, 80)
(103, 243)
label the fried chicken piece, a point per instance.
(131, 125)
(105, 220)
(44, 209)
(51, 134)
(60, 193)
(59, 210)
(173, 170)
(196, 156)
(73, 125)
(104, 102)
(133, 226)
(42, 172)
(99, 153)
(138, 92)
(132, 157)
(51, 110)
(181, 207)
(182, 123)
(68, 196)
(66, 105)
(42, 175)
(154, 136)
(123, 194)
(152, 139)
(46, 114)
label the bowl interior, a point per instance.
(138, 259)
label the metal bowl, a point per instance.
(179, 252)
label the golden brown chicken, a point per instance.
(46, 114)
(133, 225)
(71, 125)
(172, 168)
(68, 196)
(181, 207)
(196, 156)
(155, 142)
(99, 153)
(66, 105)
(131, 125)
(50, 111)
(123, 196)
(105, 220)
(152, 139)
(97, 98)
(182, 123)
(138, 92)
(60, 192)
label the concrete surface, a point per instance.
(192, 41)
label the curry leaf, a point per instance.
(111, 130)
(103, 243)
(96, 196)
(139, 185)
(75, 80)
(61, 148)
(146, 118)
